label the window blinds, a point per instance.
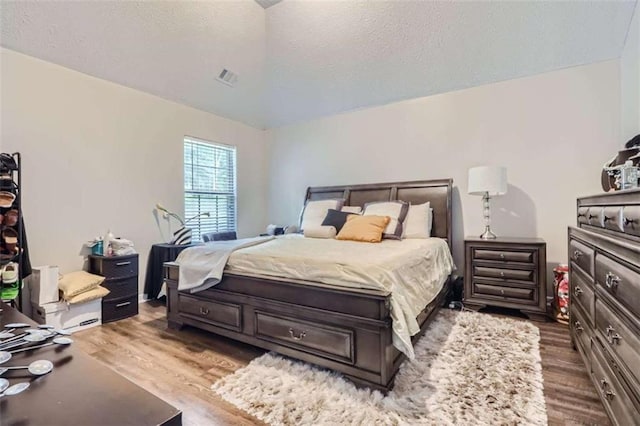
(209, 187)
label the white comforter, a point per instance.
(412, 270)
(202, 266)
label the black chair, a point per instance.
(219, 236)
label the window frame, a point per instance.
(196, 224)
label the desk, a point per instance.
(79, 391)
(159, 254)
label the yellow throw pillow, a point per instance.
(367, 229)
(87, 296)
(77, 282)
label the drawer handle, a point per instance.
(502, 292)
(612, 336)
(120, 305)
(611, 280)
(628, 221)
(591, 216)
(577, 291)
(577, 254)
(298, 337)
(502, 274)
(582, 215)
(204, 311)
(502, 256)
(609, 395)
(578, 327)
(123, 263)
(603, 385)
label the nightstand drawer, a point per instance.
(120, 308)
(504, 293)
(115, 267)
(506, 274)
(122, 287)
(504, 255)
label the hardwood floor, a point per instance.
(180, 366)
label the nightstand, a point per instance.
(121, 273)
(506, 272)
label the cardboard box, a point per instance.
(43, 284)
(69, 317)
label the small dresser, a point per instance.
(121, 273)
(506, 272)
(604, 275)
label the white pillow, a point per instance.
(320, 232)
(418, 221)
(352, 209)
(314, 212)
(397, 212)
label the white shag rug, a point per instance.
(470, 369)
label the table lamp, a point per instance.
(487, 181)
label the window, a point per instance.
(209, 187)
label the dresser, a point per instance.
(604, 309)
(506, 272)
(121, 273)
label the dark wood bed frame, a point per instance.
(343, 329)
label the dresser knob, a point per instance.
(299, 336)
(502, 274)
(204, 311)
(603, 385)
(577, 291)
(578, 327)
(612, 281)
(577, 254)
(609, 395)
(502, 256)
(612, 336)
(628, 221)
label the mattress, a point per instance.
(413, 271)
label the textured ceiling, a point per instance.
(306, 59)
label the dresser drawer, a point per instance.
(503, 273)
(527, 256)
(121, 287)
(618, 338)
(324, 340)
(619, 281)
(612, 393)
(631, 220)
(115, 267)
(583, 215)
(581, 330)
(120, 308)
(582, 294)
(594, 217)
(612, 218)
(582, 256)
(221, 314)
(519, 295)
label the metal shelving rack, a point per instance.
(16, 187)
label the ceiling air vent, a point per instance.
(227, 77)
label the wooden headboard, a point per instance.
(437, 192)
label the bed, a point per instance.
(349, 330)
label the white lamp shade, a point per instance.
(491, 179)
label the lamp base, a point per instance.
(488, 235)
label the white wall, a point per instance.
(97, 155)
(630, 80)
(552, 131)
